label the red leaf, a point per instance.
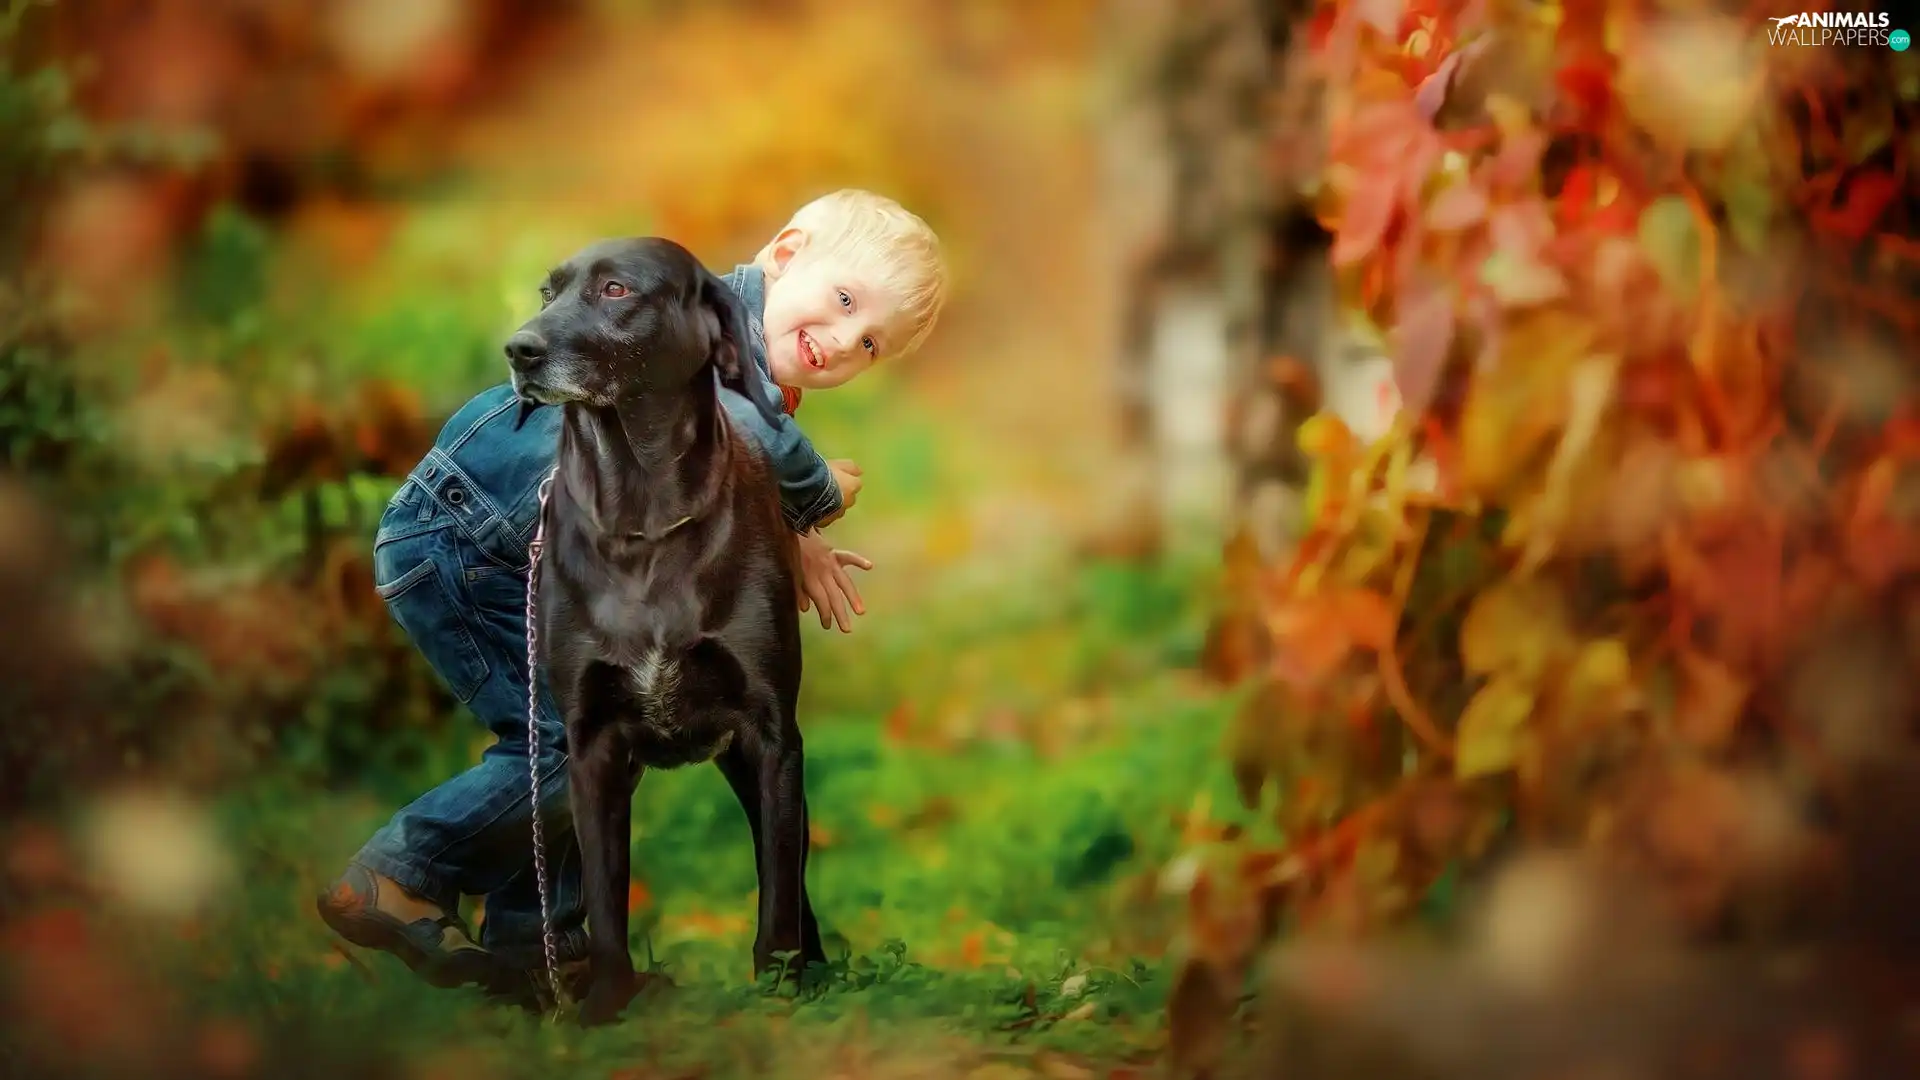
(1587, 86)
(1364, 220)
(1866, 199)
(1425, 333)
(1576, 195)
(1320, 27)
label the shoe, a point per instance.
(437, 948)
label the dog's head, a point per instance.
(626, 318)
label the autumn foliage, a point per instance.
(1634, 571)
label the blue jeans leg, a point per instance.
(473, 834)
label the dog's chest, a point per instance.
(668, 730)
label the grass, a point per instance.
(961, 879)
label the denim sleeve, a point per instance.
(807, 490)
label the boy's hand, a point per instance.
(824, 584)
(846, 476)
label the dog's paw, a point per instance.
(606, 999)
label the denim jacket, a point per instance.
(491, 472)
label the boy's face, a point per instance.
(826, 322)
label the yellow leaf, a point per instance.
(1516, 626)
(1589, 392)
(1491, 728)
(1603, 667)
(1516, 403)
(1324, 435)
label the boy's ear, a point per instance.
(785, 246)
(732, 351)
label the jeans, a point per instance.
(447, 571)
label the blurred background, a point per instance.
(258, 250)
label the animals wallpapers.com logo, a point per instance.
(1837, 28)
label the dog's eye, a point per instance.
(614, 289)
(546, 296)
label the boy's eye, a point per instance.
(867, 344)
(846, 301)
(614, 289)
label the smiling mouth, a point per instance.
(811, 352)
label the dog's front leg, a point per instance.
(747, 773)
(603, 781)
(778, 792)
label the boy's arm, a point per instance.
(808, 494)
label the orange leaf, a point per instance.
(1366, 617)
(637, 896)
(1313, 635)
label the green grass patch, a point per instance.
(960, 886)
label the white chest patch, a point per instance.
(656, 681)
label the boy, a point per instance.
(852, 279)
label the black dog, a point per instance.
(666, 614)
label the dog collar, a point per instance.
(661, 535)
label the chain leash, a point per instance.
(533, 743)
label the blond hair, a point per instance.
(879, 235)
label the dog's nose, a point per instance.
(526, 350)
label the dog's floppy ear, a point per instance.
(732, 353)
